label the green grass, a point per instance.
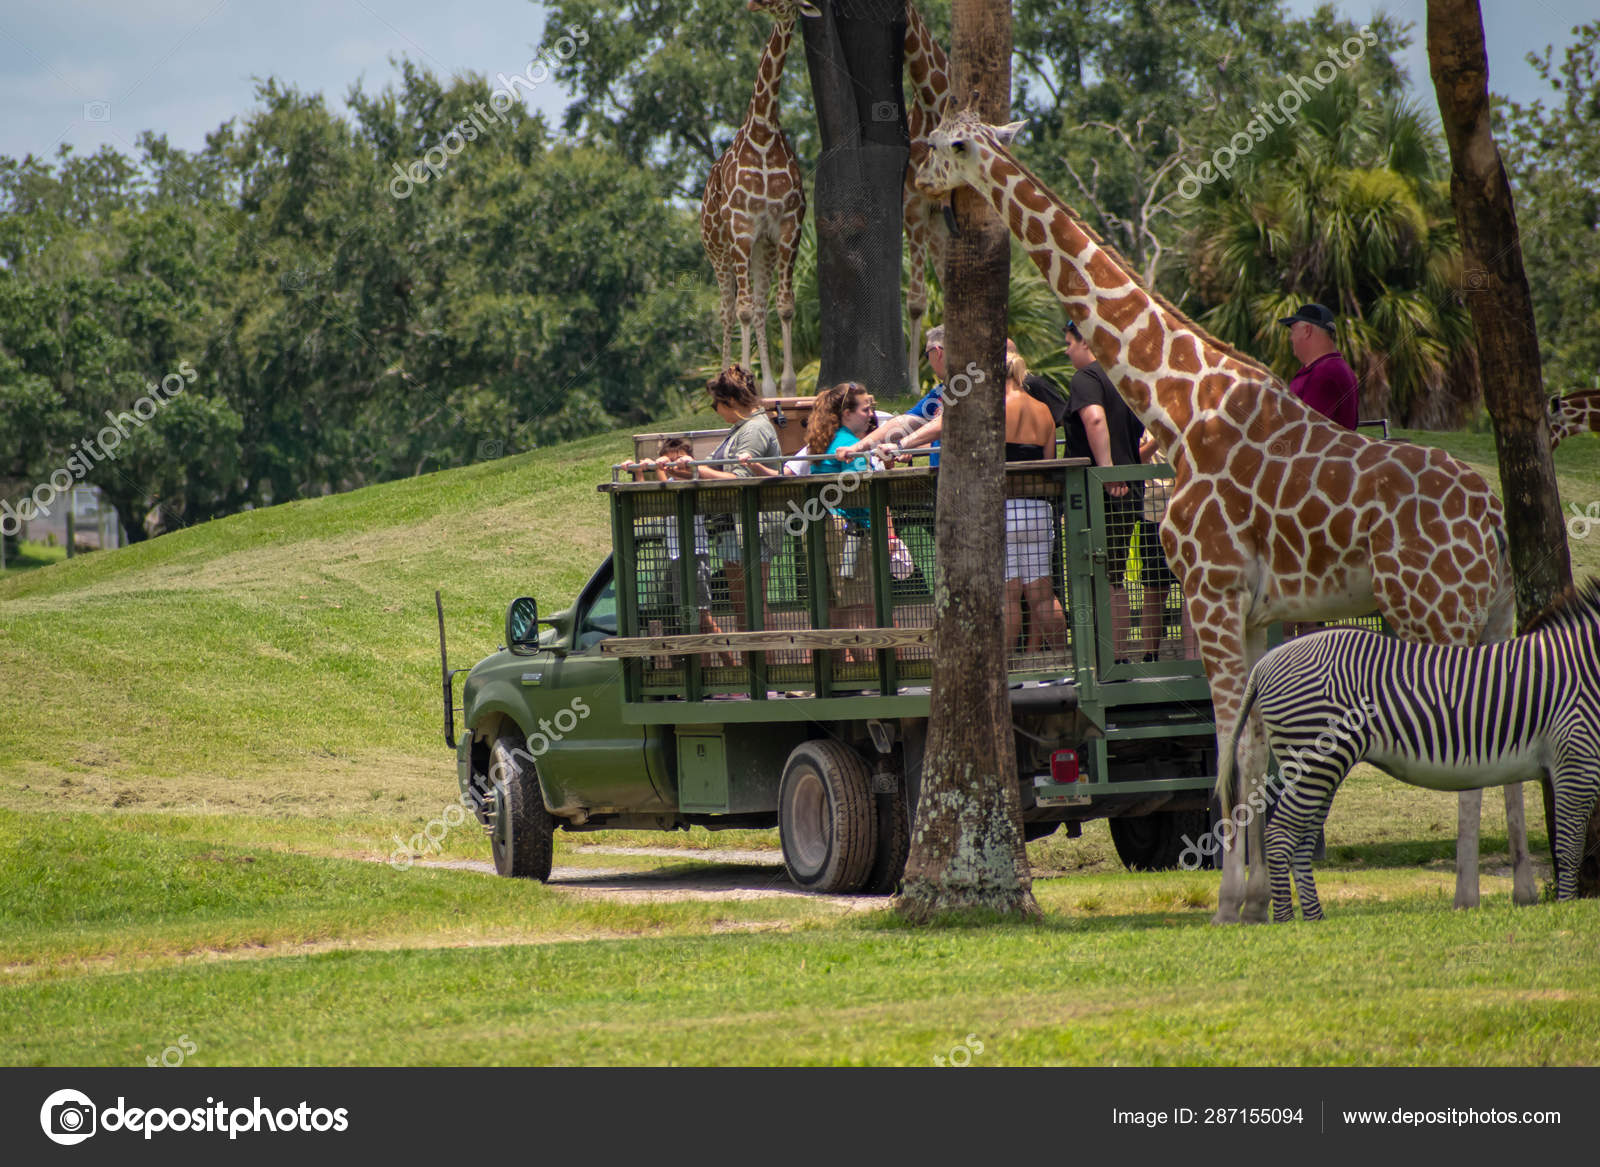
(30, 556)
(209, 741)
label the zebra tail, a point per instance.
(1227, 760)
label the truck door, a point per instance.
(595, 760)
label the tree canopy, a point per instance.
(430, 279)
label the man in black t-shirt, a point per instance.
(1100, 426)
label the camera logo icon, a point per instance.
(68, 1117)
(885, 111)
(97, 111)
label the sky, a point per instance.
(92, 71)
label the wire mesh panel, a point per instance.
(911, 504)
(1155, 598)
(1037, 636)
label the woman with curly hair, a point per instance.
(840, 418)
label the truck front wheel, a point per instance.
(827, 820)
(522, 837)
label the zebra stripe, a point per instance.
(1447, 718)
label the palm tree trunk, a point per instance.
(1502, 317)
(967, 849)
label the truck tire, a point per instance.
(827, 820)
(893, 845)
(1154, 842)
(523, 837)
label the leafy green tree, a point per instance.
(668, 84)
(1553, 155)
(1345, 205)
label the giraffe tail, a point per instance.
(1228, 751)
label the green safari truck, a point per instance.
(757, 653)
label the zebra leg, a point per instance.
(1468, 809)
(1310, 905)
(1523, 890)
(1280, 849)
(1576, 781)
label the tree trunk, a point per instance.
(1502, 316)
(967, 849)
(855, 55)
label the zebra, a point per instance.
(1447, 718)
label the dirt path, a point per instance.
(717, 875)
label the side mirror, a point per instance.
(522, 623)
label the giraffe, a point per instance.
(1576, 413)
(754, 207)
(1276, 512)
(924, 223)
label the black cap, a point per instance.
(1312, 314)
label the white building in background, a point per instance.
(96, 523)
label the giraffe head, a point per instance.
(785, 11)
(958, 150)
(1573, 414)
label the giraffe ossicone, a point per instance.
(754, 208)
(1276, 513)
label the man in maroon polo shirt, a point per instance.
(1325, 382)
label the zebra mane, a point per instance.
(1575, 609)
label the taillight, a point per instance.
(1064, 766)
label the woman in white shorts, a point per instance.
(1030, 528)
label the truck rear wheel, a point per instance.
(1154, 842)
(523, 836)
(893, 845)
(827, 820)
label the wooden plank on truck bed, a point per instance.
(768, 641)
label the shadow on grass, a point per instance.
(1417, 852)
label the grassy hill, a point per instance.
(287, 657)
(201, 735)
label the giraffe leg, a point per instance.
(788, 250)
(1218, 619)
(745, 308)
(760, 281)
(728, 294)
(1523, 890)
(1257, 898)
(1469, 808)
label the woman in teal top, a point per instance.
(840, 418)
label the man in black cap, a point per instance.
(1325, 382)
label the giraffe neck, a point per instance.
(1160, 366)
(763, 109)
(929, 69)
